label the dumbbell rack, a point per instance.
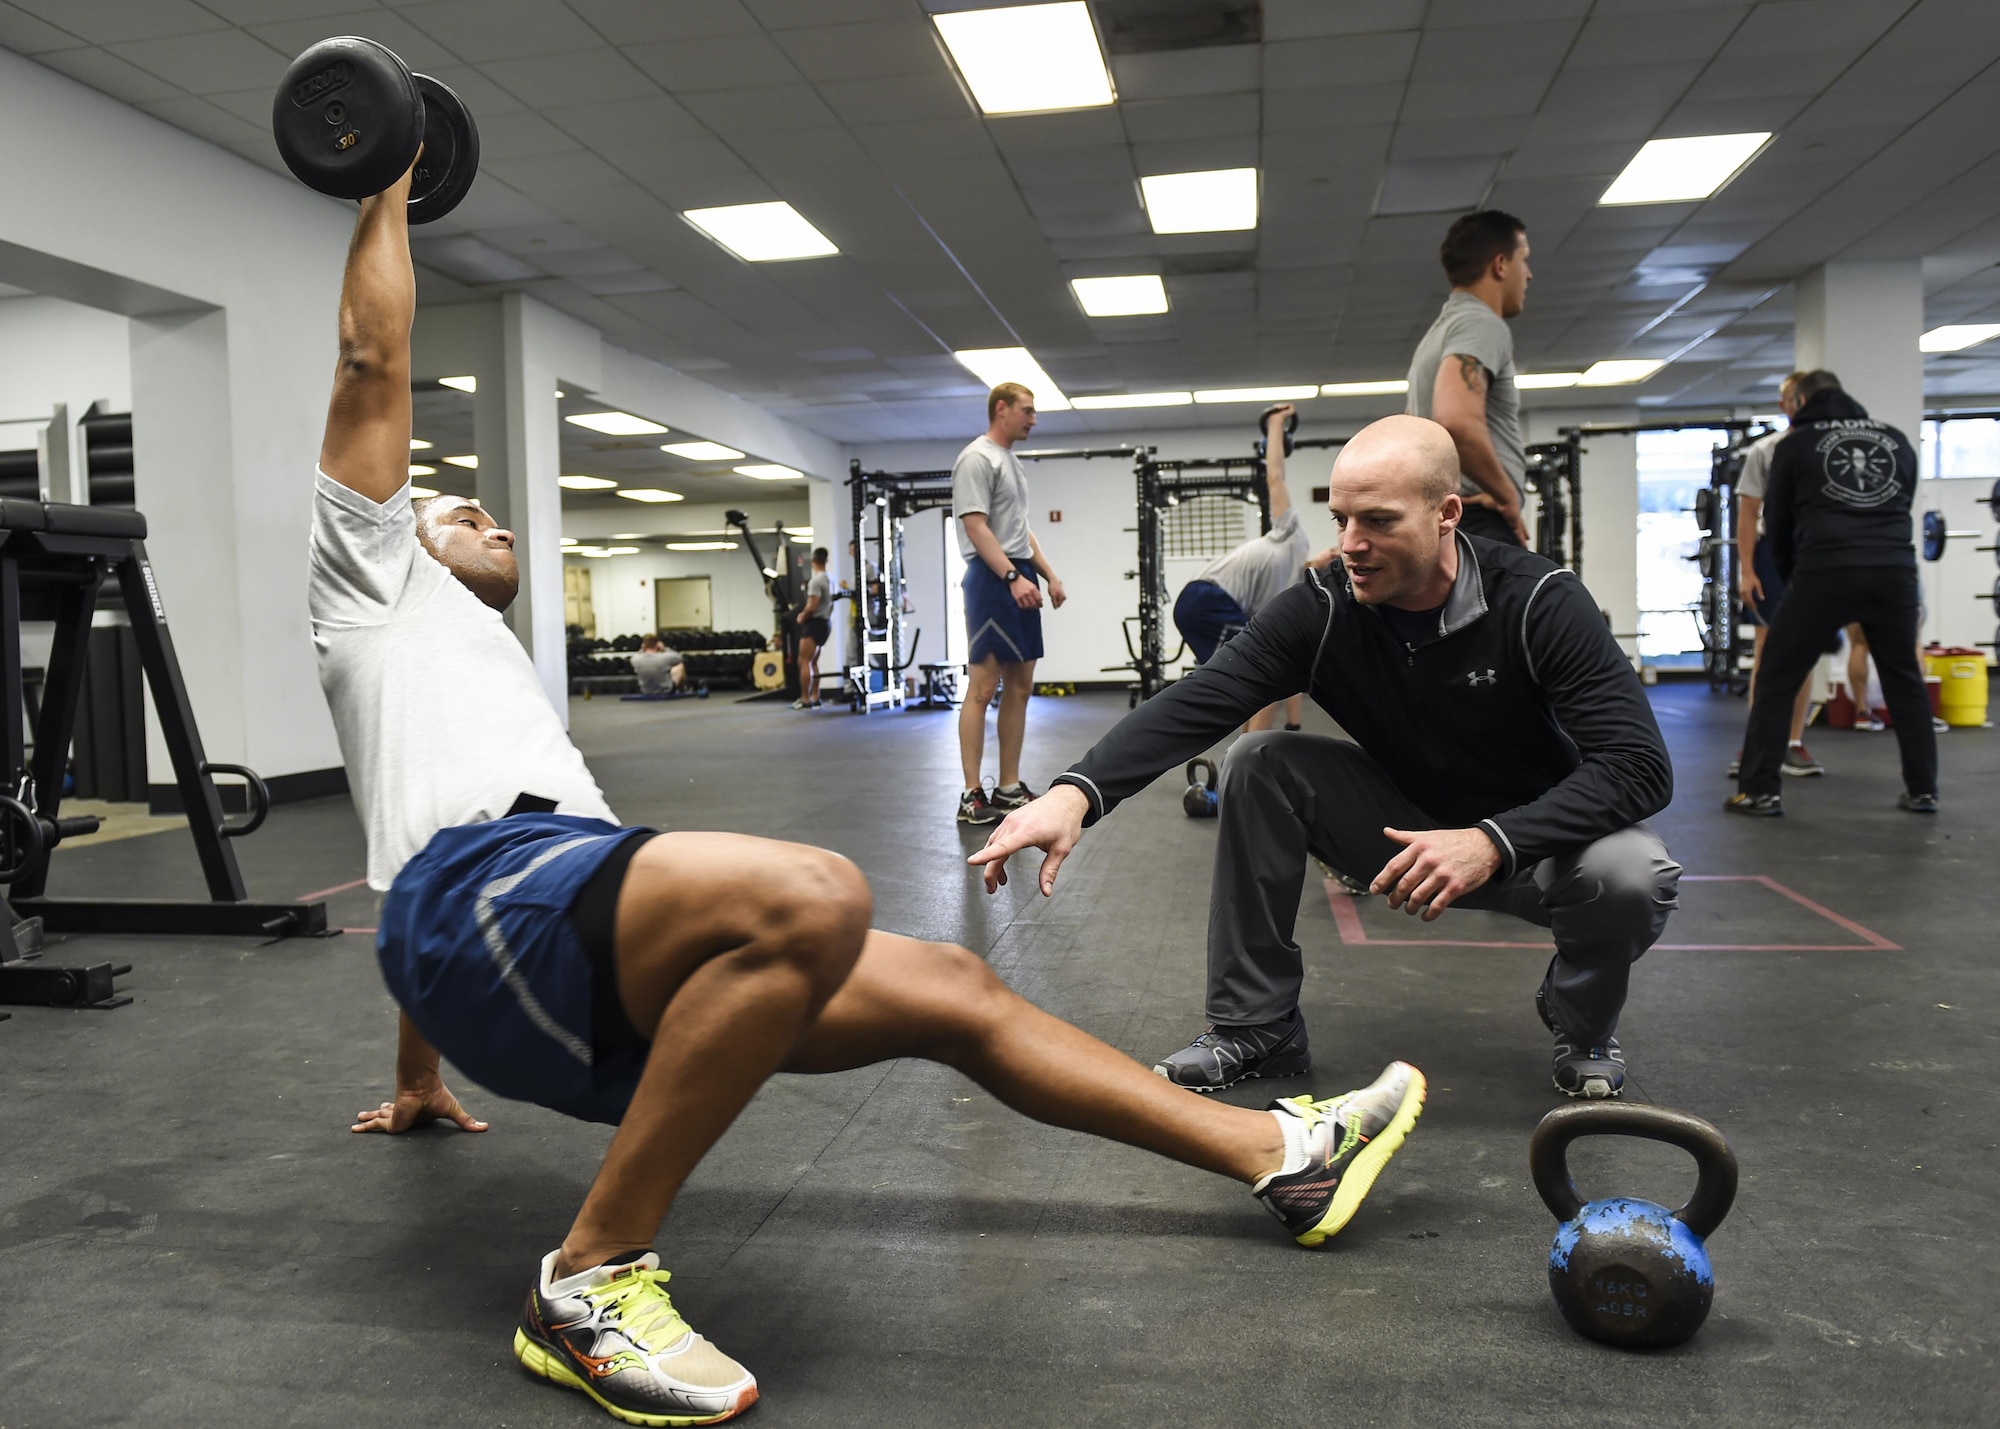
(53, 559)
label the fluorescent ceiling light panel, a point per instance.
(569, 540)
(1363, 389)
(762, 232)
(1213, 201)
(419, 470)
(1025, 59)
(595, 553)
(701, 545)
(617, 424)
(1120, 297)
(463, 384)
(798, 530)
(1131, 399)
(1620, 372)
(1259, 394)
(651, 495)
(470, 463)
(702, 451)
(994, 365)
(1529, 380)
(769, 471)
(418, 444)
(1954, 336)
(1682, 170)
(585, 483)
(422, 493)
(628, 535)
(621, 550)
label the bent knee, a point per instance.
(817, 909)
(1630, 874)
(968, 997)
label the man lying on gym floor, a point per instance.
(1503, 756)
(653, 981)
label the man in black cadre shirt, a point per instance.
(1503, 756)
(1837, 515)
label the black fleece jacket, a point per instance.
(1520, 716)
(1840, 490)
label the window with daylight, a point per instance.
(1672, 467)
(1204, 526)
(1969, 447)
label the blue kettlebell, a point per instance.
(1202, 797)
(1625, 1271)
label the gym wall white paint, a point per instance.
(52, 351)
(230, 277)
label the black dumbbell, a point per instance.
(1264, 421)
(351, 118)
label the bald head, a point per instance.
(1412, 454)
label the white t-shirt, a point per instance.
(987, 479)
(1756, 472)
(655, 670)
(441, 717)
(1264, 565)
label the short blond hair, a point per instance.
(1012, 393)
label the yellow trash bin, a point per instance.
(1962, 693)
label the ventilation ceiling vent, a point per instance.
(1137, 27)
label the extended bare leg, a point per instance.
(907, 998)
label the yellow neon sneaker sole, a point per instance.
(1359, 1178)
(551, 1367)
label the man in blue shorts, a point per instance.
(1232, 588)
(645, 980)
(1003, 599)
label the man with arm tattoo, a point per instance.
(1462, 376)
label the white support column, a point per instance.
(1861, 320)
(531, 352)
(827, 502)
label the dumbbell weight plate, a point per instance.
(1993, 500)
(450, 159)
(1934, 535)
(348, 118)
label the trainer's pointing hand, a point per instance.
(1052, 823)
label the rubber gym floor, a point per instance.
(190, 1236)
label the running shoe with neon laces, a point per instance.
(1223, 1056)
(613, 1333)
(1334, 1150)
(1587, 1071)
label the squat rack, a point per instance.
(878, 626)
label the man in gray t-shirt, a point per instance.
(1462, 375)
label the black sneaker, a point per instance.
(1012, 797)
(1593, 1071)
(1755, 806)
(1349, 1139)
(973, 808)
(1223, 1056)
(1799, 763)
(1918, 803)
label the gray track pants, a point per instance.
(1285, 795)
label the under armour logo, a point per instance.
(1475, 679)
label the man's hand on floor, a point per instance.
(418, 1106)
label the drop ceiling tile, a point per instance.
(1302, 19)
(692, 173)
(634, 22)
(1179, 74)
(1203, 117)
(1186, 156)
(1663, 38)
(1611, 101)
(574, 77)
(109, 22)
(492, 202)
(1354, 59)
(1451, 138)
(521, 134)
(869, 50)
(291, 35)
(1097, 163)
(206, 121)
(108, 74)
(912, 100)
(1469, 99)
(686, 67)
(791, 14)
(1025, 133)
(479, 31)
(626, 123)
(890, 143)
(800, 152)
(27, 34)
(1315, 111)
(771, 110)
(1528, 51)
(551, 177)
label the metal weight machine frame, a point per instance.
(895, 496)
(53, 559)
(1555, 475)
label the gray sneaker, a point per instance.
(1587, 1071)
(1009, 797)
(1223, 1056)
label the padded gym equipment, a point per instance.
(1624, 1271)
(1203, 797)
(350, 119)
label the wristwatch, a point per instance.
(1010, 577)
